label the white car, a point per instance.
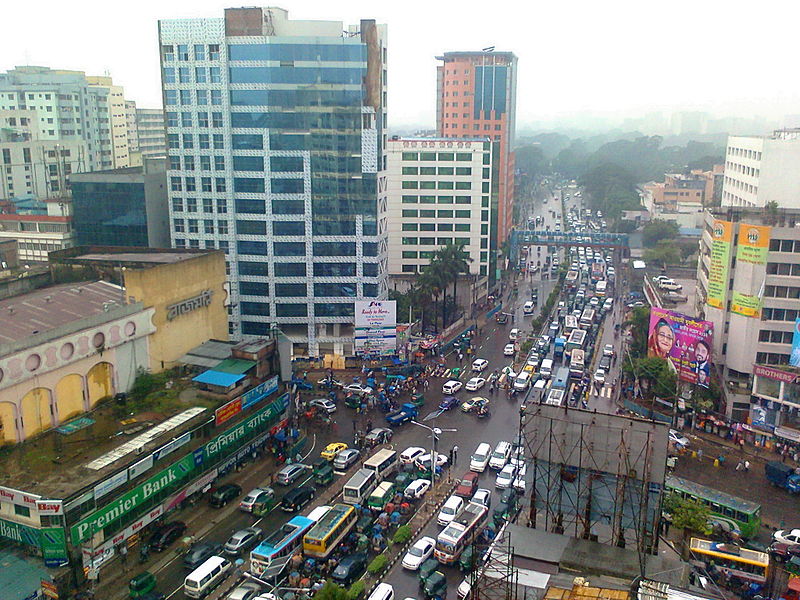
(418, 553)
(475, 384)
(451, 509)
(482, 496)
(358, 388)
(417, 488)
(608, 350)
(600, 376)
(409, 455)
(509, 350)
(519, 479)
(678, 438)
(424, 461)
(505, 477)
(480, 364)
(324, 404)
(451, 387)
(464, 588)
(787, 536)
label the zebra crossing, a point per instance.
(606, 392)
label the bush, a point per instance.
(378, 564)
(357, 590)
(402, 535)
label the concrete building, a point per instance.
(38, 227)
(133, 134)
(146, 137)
(748, 286)
(477, 96)
(683, 198)
(277, 126)
(763, 169)
(122, 207)
(439, 193)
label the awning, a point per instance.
(235, 366)
(794, 584)
(218, 378)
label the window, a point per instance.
(335, 290)
(427, 185)
(333, 309)
(202, 97)
(410, 156)
(167, 53)
(199, 52)
(219, 184)
(194, 226)
(463, 170)
(427, 226)
(170, 97)
(410, 171)
(255, 308)
(172, 119)
(446, 170)
(216, 97)
(190, 183)
(287, 186)
(463, 185)
(191, 205)
(286, 163)
(370, 269)
(214, 74)
(290, 290)
(410, 213)
(202, 141)
(369, 249)
(22, 511)
(445, 227)
(183, 75)
(288, 228)
(410, 227)
(291, 310)
(448, 156)
(445, 214)
(253, 288)
(177, 205)
(202, 120)
(409, 199)
(427, 170)
(410, 268)
(183, 52)
(222, 206)
(427, 214)
(410, 185)
(178, 226)
(370, 290)
(175, 184)
(462, 226)
(410, 254)
(222, 227)
(427, 241)
(216, 119)
(208, 226)
(205, 182)
(175, 163)
(288, 248)
(251, 227)
(427, 156)
(462, 214)
(445, 185)
(463, 200)
(188, 141)
(186, 97)
(334, 249)
(213, 51)
(290, 269)
(462, 156)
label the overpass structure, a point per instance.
(531, 237)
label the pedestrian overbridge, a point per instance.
(532, 237)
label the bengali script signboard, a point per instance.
(721, 237)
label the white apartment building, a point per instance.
(439, 193)
(146, 137)
(763, 169)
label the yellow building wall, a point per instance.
(69, 396)
(99, 382)
(35, 408)
(8, 427)
(163, 285)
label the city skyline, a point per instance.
(609, 62)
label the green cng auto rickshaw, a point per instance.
(141, 584)
(324, 475)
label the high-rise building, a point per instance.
(762, 169)
(133, 134)
(276, 143)
(477, 96)
(146, 137)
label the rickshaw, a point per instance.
(417, 400)
(468, 559)
(364, 524)
(352, 401)
(264, 503)
(141, 584)
(402, 480)
(324, 475)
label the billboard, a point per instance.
(685, 341)
(794, 357)
(721, 237)
(751, 254)
(376, 327)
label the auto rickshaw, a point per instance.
(435, 585)
(426, 568)
(455, 372)
(402, 480)
(324, 475)
(264, 502)
(141, 584)
(352, 401)
(319, 464)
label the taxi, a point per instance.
(331, 450)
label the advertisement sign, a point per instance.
(22, 534)
(253, 423)
(49, 589)
(794, 357)
(172, 445)
(140, 467)
(751, 258)
(110, 484)
(54, 546)
(375, 327)
(196, 486)
(50, 507)
(227, 411)
(8, 494)
(748, 305)
(753, 244)
(132, 500)
(721, 238)
(776, 374)
(684, 341)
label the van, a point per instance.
(480, 458)
(513, 334)
(546, 368)
(383, 591)
(540, 386)
(522, 381)
(527, 308)
(200, 582)
(500, 456)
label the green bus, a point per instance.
(731, 512)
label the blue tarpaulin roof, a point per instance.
(218, 378)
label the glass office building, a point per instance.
(276, 154)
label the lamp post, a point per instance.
(435, 433)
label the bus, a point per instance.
(570, 324)
(587, 318)
(555, 397)
(460, 533)
(601, 287)
(360, 486)
(738, 514)
(561, 379)
(576, 339)
(734, 561)
(270, 557)
(384, 463)
(571, 280)
(331, 529)
(577, 363)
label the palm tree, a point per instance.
(454, 262)
(432, 285)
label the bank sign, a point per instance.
(132, 500)
(253, 423)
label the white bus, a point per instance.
(384, 463)
(577, 363)
(601, 287)
(460, 533)
(587, 318)
(360, 486)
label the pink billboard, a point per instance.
(685, 341)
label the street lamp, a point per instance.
(435, 433)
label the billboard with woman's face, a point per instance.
(685, 341)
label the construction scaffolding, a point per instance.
(594, 476)
(495, 578)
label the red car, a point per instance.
(469, 483)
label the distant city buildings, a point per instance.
(681, 197)
(146, 136)
(38, 227)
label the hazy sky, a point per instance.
(610, 57)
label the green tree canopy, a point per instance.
(688, 514)
(666, 252)
(657, 230)
(637, 325)
(331, 591)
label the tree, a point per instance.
(637, 325)
(611, 189)
(331, 591)
(665, 253)
(657, 373)
(657, 230)
(531, 161)
(687, 515)
(453, 261)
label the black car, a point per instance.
(200, 553)
(298, 498)
(167, 534)
(224, 494)
(349, 569)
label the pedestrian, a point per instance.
(746, 466)
(700, 454)
(455, 454)
(305, 375)
(123, 556)
(739, 466)
(354, 425)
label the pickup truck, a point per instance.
(670, 286)
(407, 412)
(781, 475)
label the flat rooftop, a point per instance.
(116, 256)
(48, 308)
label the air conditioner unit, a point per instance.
(140, 450)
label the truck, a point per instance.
(558, 351)
(407, 412)
(781, 475)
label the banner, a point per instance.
(748, 305)
(54, 546)
(753, 244)
(751, 259)
(794, 358)
(684, 341)
(721, 238)
(375, 328)
(256, 422)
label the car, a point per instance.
(245, 591)
(480, 364)
(418, 553)
(254, 496)
(509, 350)
(324, 405)
(409, 455)
(482, 496)
(417, 488)
(297, 498)
(594, 302)
(224, 494)
(671, 287)
(448, 402)
(608, 350)
(200, 553)
(424, 462)
(467, 485)
(166, 535)
(505, 477)
(677, 438)
(357, 388)
(554, 328)
(600, 376)
(242, 540)
(474, 384)
(660, 278)
(451, 387)
(637, 304)
(519, 479)
(332, 449)
(474, 403)
(517, 456)
(379, 435)
(345, 459)
(450, 510)
(290, 473)
(787, 536)
(350, 568)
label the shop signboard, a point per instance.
(788, 434)
(140, 467)
(196, 486)
(17, 532)
(172, 445)
(50, 507)
(721, 238)
(794, 357)
(109, 485)
(686, 342)
(252, 423)
(227, 411)
(54, 546)
(8, 494)
(776, 374)
(751, 255)
(132, 500)
(49, 589)
(375, 327)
